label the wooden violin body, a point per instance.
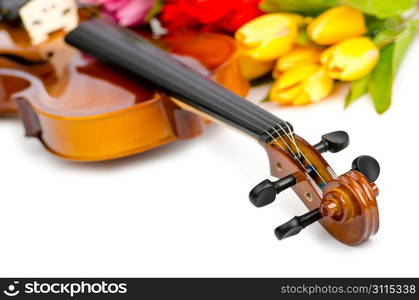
(82, 110)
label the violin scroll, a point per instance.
(346, 205)
(349, 205)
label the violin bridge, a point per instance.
(42, 17)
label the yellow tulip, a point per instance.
(337, 24)
(252, 69)
(300, 20)
(300, 55)
(302, 85)
(351, 59)
(268, 37)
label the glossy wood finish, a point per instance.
(123, 48)
(348, 202)
(15, 41)
(350, 206)
(87, 111)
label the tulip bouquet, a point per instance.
(304, 46)
(309, 45)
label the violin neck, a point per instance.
(124, 49)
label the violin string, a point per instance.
(279, 145)
(293, 138)
(306, 158)
(275, 140)
(246, 107)
(270, 119)
(301, 153)
(290, 136)
(280, 135)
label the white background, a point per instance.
(183, 209)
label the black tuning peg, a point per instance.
(333, 142)
(296, 224)
(265, 192)
(368, 166)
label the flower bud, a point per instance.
(300, 20)
(268, 37)
(337, 24)
(351, 59)
(300, 55)
(302, 85)
(252, 69)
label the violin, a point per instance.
(135, 96)
(83, 110)
(346, 205)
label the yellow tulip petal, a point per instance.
(326, 55)
(276, 73)
(337, 24)
(318, 86)
(277, 95)
(351, 59)
(296, 75)
(298, 19)
(291, 93)
(268, 37)
(253, 33)
(298, 56)
(252, 69)
(302, 85)
(302, 99)
(271, 49)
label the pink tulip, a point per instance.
(126, 12)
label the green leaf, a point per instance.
(401, 45)
(266, 99)
(310, 7)
(374, 25)
(382, 8)
(358, 88)
(381, 84)
(379, 8)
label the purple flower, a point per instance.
(126, 12)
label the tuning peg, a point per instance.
(296, 224)
(265, 192)
(333, 142)
(368, 166)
